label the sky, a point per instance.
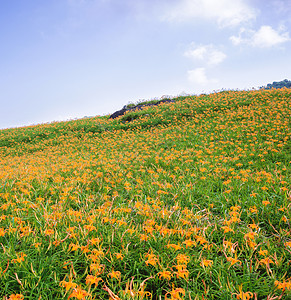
(66, 59)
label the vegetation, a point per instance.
(278, 85)
(187, 200)
(142, 102)
(152, 102)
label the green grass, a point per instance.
(188, 199)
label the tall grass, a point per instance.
(188, 200)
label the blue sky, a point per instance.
(64, 59)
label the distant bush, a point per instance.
(279, 84)
(142, 102)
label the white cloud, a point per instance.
(209, 56)
(224, 12)
(265, 37)
(198, 76)
(268, 37)
(197, 53)
(206, 53)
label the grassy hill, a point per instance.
(188, 200)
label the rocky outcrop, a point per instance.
(118, 113)
(138, 107)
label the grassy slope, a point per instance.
(199, 188)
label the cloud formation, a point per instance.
(209, 56)
(198, 75)
(265, 37)
(224, 12)
(205, 53)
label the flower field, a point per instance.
(188, 200)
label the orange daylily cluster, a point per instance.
(183, 191)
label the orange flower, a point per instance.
(182, 259)
(97, 268)
(94, 241)
(79, 293)
(233, 260)
(175, 294)
(119, 256)
(143, 237)
(284, 219)
(263, 252)
(49, 232)
(90, 279)
(230, 245)
(206, 263)
(151, 259)
(16, 297)
(165, 275)
(114, 274)
(20, 258)
(74, 247)
(226, 229)
(253, 226)
(250, 235)
(182, 271)
(68, 284)
(96, 254)
(267, 261)
(201, 239)
(174, 246)
(243, 295)
(2, 231)
(189, 243)
(253, 210)
(286, 284)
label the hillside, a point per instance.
(183, 200)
